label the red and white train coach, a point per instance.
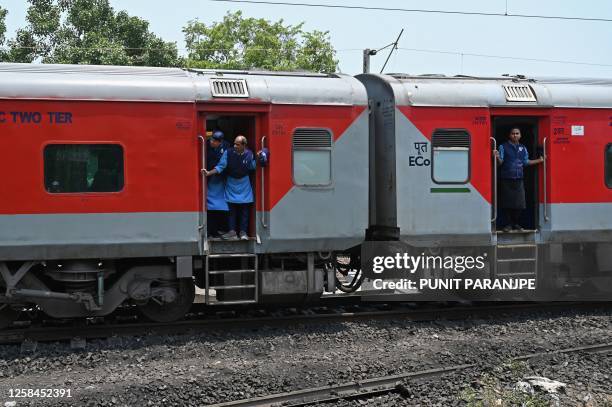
(438, 134)
(102, 194)
(102, 198)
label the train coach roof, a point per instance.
(440, 90)
(90, 82)
(287, 87)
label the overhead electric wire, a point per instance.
(459, 53)
(416, 10)
(433, 51)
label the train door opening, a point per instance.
(529, 138)
(231, 126)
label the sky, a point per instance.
(351, 31)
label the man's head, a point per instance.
(515, 135)
(240, 143)
(216, 139)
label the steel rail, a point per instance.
(379, 385)
(105, 330)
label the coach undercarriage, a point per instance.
(87, 288)
(79, 288)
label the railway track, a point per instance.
(318, 314)
(379, 385)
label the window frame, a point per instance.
(607, 166)
(469, 151)
(331, 154)
(81, 143)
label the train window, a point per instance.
(71, 168)
(608, 165)
(450, 157)
(312, 152)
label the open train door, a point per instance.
(230, 267)
(516, 249)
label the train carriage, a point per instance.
(440, 132)
(103, 196)
(103, 192)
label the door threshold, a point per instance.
(516, 232)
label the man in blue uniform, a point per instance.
(237, 163)
(215, 196)
(513, 157)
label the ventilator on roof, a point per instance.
(229, 88)
(519, 93)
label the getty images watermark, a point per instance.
(452, 273)
(413, 266)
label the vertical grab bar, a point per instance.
(494, 218)
(546, 218)
(263, 189)
(203, 175)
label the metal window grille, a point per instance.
(450, 156)
(312, 157)
(442, 138)
(311, 138)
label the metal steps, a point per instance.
(516, 255)
(231, 272)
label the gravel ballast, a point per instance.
(217, 366)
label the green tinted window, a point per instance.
(83, 168)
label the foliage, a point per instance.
(88, 32)
(3, 13)
(246, 43)
(92, 32)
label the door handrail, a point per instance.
(263, 189)
(546, 218)
(203, 175)
(494, 216)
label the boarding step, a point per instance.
(519, 252)
(220, 246)
(516, 257)
(231, 278)
(516, 238)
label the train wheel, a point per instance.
(7, 315)
(172, 311)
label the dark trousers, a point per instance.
(217, 222)
(514, 216)
(239, 217)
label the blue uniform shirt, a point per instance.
(215, 195)
(237, 190)
(514, 157)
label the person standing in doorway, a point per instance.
(216, 204)
(237, 163)
(513, 158)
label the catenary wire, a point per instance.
(415, 10)
(458, 53)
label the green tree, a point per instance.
(245, 43)
(3, 52)
(88, 32)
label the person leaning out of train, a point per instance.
(216, 204)
(237, 163)
(513, 157)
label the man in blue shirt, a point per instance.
(237, 163)
(513, 157)
(216, 204)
